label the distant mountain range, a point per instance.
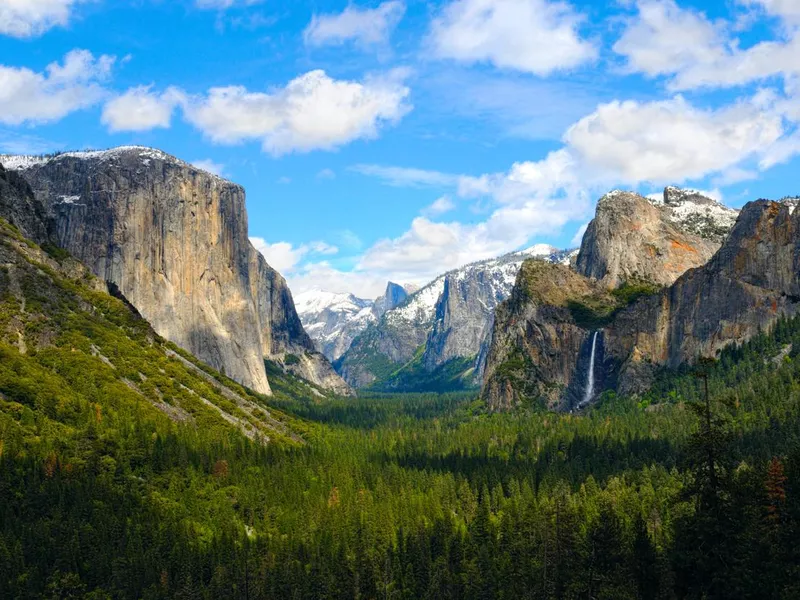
(334, 320)
(435, 338)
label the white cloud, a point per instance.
(140, 109)
(667, 40)
(532, 198)
(312, 112)
(326, 174)
(407, 177)
(366, 26)
(620, 143)
(534, 36)
(439, 207)
(670, 140)
(786, 9)
(30, 18)
(30, 97)
(323, 276)
(285, 257)
(209, 165)
(323, 248)
(281, 256)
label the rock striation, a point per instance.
(173, 239)
(19, 207)
(633, 238)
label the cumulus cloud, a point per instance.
(531, 198)
(312, 112)
(365, 26)
(141, 109)
(664, 39)
(785, 9)
(323, 276)
(533, 36)
(30, 18)
(28, 97)
(621, 143)
(670, 140)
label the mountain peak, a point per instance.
(144, 154)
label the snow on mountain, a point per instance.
(14, 162)
(451, 317)
(694, 212)
(333, 320)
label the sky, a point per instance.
(397, 140)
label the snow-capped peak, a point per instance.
(19, 162)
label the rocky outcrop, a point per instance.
(173, 239)
(538, 346)
(393, 297)
(752, 281)
(633, 238)
(284, 339)
(544, 335)
(464, 315)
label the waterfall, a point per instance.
(589, 393)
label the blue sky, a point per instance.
(399, 139)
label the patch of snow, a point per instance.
(145, 154)
(69, 199)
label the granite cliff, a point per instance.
(747, 286)
(562, 338)
(633, 238)
(173, 239)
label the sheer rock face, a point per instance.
(393, 297)
(538, 351)
(634, 238)
(464, 316)
(19, 207)
(282, 333)
(752, 281)
(174, 240)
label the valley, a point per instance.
(544, 409)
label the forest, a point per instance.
(691, 491)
